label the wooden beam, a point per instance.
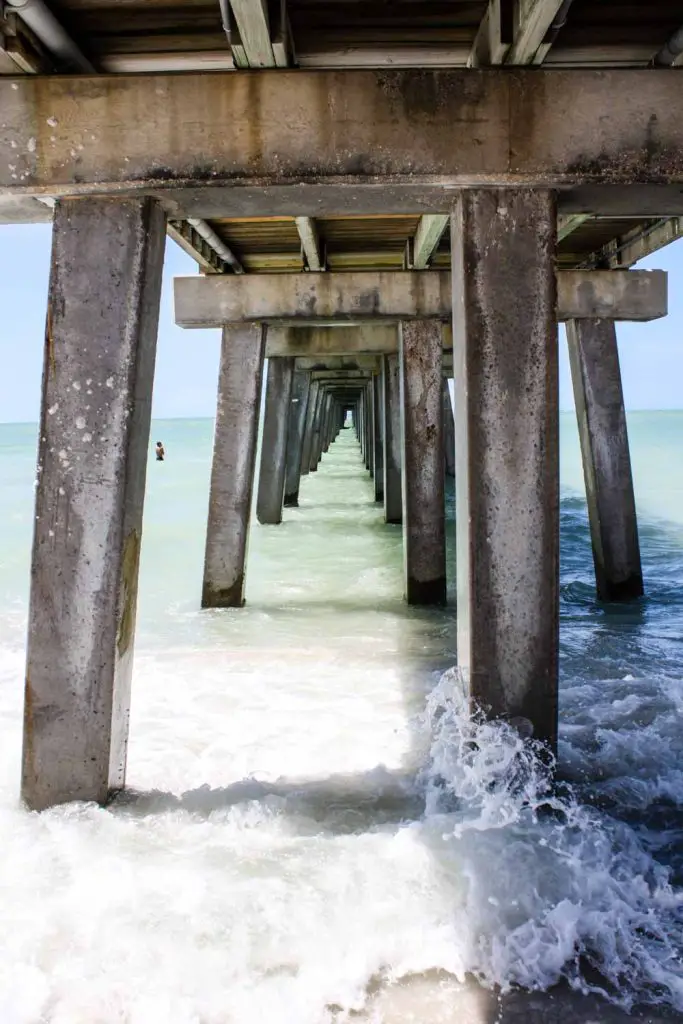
(513, 32)
(533, 18)
(621, 253)
(253, 49)
(427, 237)
(309, 242)
(569, 223)
(22, 46)
(494, 38)
(195, 246)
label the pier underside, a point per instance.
(380, 198)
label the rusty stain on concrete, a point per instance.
(129, 576)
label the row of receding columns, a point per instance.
(94, 434)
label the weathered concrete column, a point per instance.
(366, 427)
(370, 405)
(506, 423)
(271, 483)
(327, 420)
(100, 345)
(316, 448)
(420, 368)
(309, 428)
(295, 440)
(594, 361)
(391, 411)
(234, 457)
(448, 431)
(378, 441)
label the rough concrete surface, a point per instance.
(599, 399)
(271, 481)
(100, 346)
(507, 452)
(420, 368)
(232, 471)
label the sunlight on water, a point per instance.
(313, 830)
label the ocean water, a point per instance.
(314, 832)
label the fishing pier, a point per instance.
(380, 198)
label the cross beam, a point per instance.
(207, 135)
(367, 296)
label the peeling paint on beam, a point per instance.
(440, 129)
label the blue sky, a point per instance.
(187, 361)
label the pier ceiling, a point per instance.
(141, 36)
(317, 181)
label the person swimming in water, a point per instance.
(160, 451)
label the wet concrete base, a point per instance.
(437, 998)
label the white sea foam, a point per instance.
(282, 896)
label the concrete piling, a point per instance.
(420, 371)
(301, 385)
(307, 445)
(448, 431)
(234, 457)
(100, 345)
(271, 485)
(503, 245)
(316, 429)
(599, 399)
(378, 440)
(393, 501)
(369, 430)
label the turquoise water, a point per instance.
(311, 821)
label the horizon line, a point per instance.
(186, 419)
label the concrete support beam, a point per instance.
(271, 483)
(378, 440)
(420, 370)
(594, 360)
(368, 363)
(295, 440)
(100, 345)
(364, 297)
(507, 459)
(420, 130)
(234, 458)
(391, 412)
(323, 341)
